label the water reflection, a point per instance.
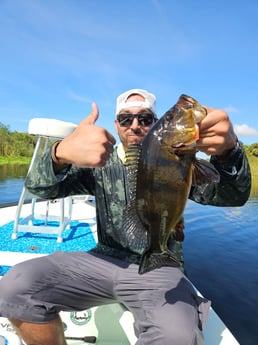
(13, 171)
(11, 182)
(221, 259)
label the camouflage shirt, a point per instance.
(109, 186)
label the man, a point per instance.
(164, 304)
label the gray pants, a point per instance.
(165, 306)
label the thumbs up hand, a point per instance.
(88, 146)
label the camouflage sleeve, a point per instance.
(42, 181)
(235, 182)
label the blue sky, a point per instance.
(57, 57)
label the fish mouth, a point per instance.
(181, 144)
(189, 144)
(182, 149)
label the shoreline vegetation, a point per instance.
(19, 160)
(17, 148)
(23, 162)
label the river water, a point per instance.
(221, 255)
(11, 182)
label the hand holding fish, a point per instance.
(88, 146)
(216, 135)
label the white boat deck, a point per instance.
(109, 324)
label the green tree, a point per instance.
(15, 144)
(4, 139)
(252, 149)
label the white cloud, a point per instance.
(231, 109)
(245, 130)
(78, 97)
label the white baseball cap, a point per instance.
(149, 100)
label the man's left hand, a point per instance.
(217, 136)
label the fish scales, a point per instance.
(159, 175)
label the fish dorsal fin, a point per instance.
(134, 229)
(132, 155)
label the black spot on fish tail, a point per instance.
(151, 261)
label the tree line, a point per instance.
(17, 144)
(252, 149)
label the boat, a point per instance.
(34, 227)
(105, 325)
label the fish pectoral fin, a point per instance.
(204, 173)
(151, 261)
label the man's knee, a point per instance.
(182, 336)
(17, 280)
(171, 335)
(177, 326)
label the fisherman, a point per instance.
(164, 304)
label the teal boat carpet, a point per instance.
(78, 238)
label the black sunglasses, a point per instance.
(144, 119)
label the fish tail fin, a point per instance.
(151, 261)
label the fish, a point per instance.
(161, 171)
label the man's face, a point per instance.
(132, 130)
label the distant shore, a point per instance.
(253, 161)
(14, 160)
